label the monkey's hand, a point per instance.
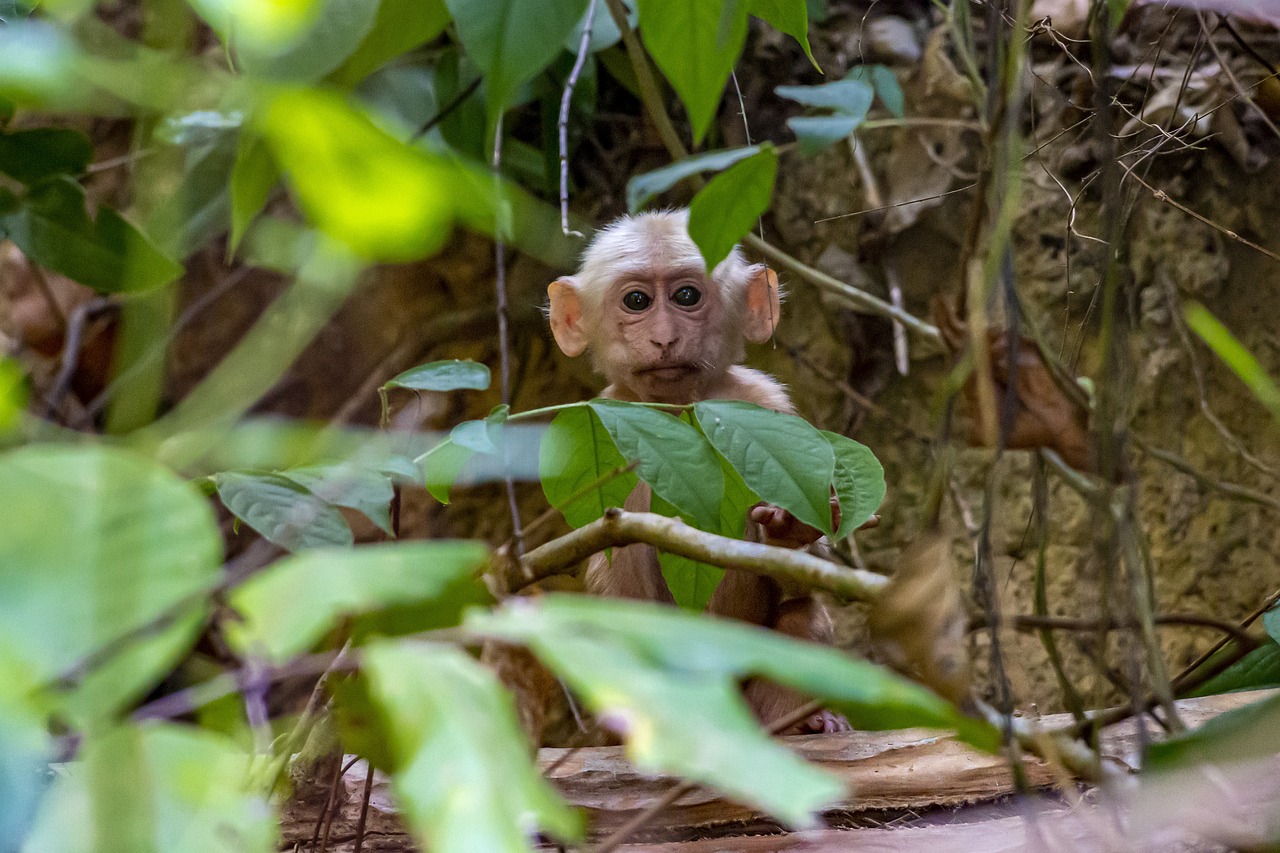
(783, 529)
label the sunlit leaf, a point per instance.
(261, 27)
(512, 40)
(52, 228)
(337, 30)
(674, 458)
(253, 176)
(187, 790)
(696, 44)
(789, 16)
(284, 512)
(366, 491)
(100, 542)
(731, 204)
(1240, 360)
(13, 393)
(1242, 734)
(782, 458)
(858, 480)
(400, 26)
(577, 452)
(462, 773)
(323, 587)
(645, 186)
(33, 155)
(452, 375)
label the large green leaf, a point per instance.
(1260, 668)
(858, 481)
(32, 155)
(782, 458)
(673, 458)
(512, 40)
(283, 511)
(338, 28)
(324, 587)
(452, 375)
(384, 199)
(696, 44)
(1243, 734)
(789, 16)
(691, 583)
(669, 680)
(731, 204)
(351, 486)
(100, 542)
(576, 452)
(51, 228)
(259, 29)
(645, 186)
(462, 773)
(155, 788)
(400, 26)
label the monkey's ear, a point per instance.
(763, 305)
(566, 316)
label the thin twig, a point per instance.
(364, 809)
(504, 338)
(74, 340)
(562, 125)
(1030, 622)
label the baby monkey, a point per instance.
(662, 329)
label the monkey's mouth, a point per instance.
(669, 372)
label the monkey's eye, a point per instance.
(637, 300)
(687, 296)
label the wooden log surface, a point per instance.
(907, 790)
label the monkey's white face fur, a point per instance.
(659, 327)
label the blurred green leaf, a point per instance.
(100, 542)
(349, 485)
(1242, 734)
(731, 204)
(25, 752)
(13, 394)
(257, 27)
(696, 44)
(815, 133)
(858, 480)
(888, 90)
(782, 458)
(674, 458)
(253, 176)
(52, 228)
(1259, 668)
(324, 587)
(482, 436)
(645, 186)
(37, 63)
(512, 40)
(452, 375)
(186, 790)
(32, 155)
(336, 31)
(1236, 357)
(400, 26)
(441, 466)
(604, 32)
(462, 774)
(284, 512)
(384, 199)
(576, 452)
(788, 16)
(669, 680)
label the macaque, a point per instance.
(663, 330)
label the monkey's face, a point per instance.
(664, 334)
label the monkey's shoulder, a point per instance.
(754, 386)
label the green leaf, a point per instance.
(13, 394)
(187, 791)
(696, 44)
(815, 133)
(441, 466)
(858, 480)
(27, 750)
(384, 199)
(669, 680)
(645, 186)
(851, 96)
(258, 29)
(691, 583)
(484, 436)
(462, 773)
(888, 90)
(674, 458)
(576, 452)
(1242, 734)
(253, 177)
(338, 28)
(30, 156)
(1271, 623)
(400, 26)
(451, 375)
(512, 40)
(782, 458)
(731, 204)
(1259, 668)
(38, 63)
(52, 228)
(1239, 359)
(100, 542)
(347, 485)
(324, 587)
(197, 209)
(788, 16)
(284, 512)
